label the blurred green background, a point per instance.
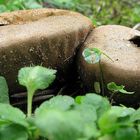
(124, 12)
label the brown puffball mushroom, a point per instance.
(122, 44)
(47, 37)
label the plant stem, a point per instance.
(101, 78)
(29, 102)
(111, 97)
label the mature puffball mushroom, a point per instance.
(47, 37)
(122, 45)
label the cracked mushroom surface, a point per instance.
(122, 44)
(47, 37)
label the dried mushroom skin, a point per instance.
(44, 37)
(121, 44)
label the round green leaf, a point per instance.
(126, 134)
(37, 77)
(12, 115)
(13, 132)
(60, 125)
(58, 102)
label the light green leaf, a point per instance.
(126, 134)
(135, 116)
(89, 116)
(100, 103)
(92, 55)
(60, 125)
(88, 112)
(79, 99)
(4, 96)
(111, 120)
(106, 137)
(37, 77)
(58, 102)
(115, 88)
(13, 132)
(125, 92)
(12, 115)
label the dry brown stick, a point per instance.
(24, 94)
(36, 99)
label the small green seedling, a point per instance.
(34, 78)
(117, 89)
(93, 55)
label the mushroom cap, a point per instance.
(47, 37)
(121, 44)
